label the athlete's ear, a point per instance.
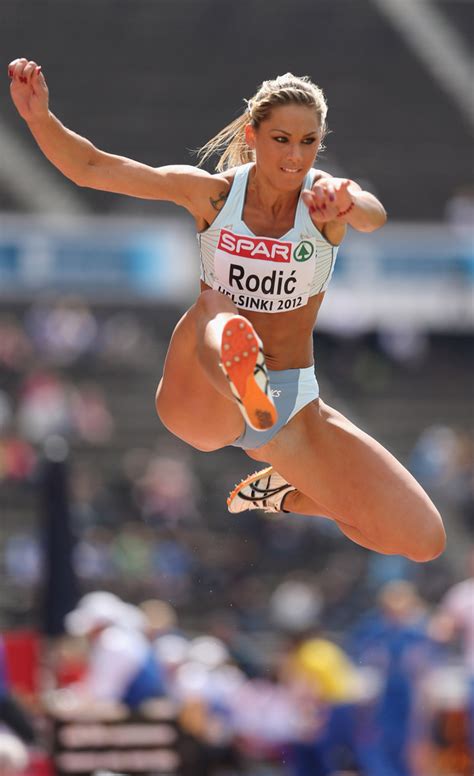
(250, 136)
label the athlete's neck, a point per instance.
(262, 194)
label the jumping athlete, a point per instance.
(239, 368)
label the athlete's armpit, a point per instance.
(218, 203)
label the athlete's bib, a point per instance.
(260, 273)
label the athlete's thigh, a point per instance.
(349, 473)
(186, 402)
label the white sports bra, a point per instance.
(263, 273)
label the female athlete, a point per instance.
(239, 369)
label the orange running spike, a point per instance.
(243, 363)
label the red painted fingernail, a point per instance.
(38, 70)
(332, 197)
(312, 209)
(10, 73)
(23, 79)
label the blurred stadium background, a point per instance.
(95, 495)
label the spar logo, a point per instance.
(303, 251)
(255, 247)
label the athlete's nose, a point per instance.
(294, 156)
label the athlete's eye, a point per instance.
(284, 139)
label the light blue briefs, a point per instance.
(291, 390)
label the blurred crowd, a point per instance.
(43, 354)
(278, 642)
(394, 696)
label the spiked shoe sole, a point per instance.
(243, 364)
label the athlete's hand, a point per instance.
(28, 89)
(328, 199)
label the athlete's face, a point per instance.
(286, 144)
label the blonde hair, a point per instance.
(284, 90)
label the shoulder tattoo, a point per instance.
(218, 203)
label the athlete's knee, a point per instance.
(170, 413)
(429, 538)
(211, 312)
(210, 303)
(208, 297)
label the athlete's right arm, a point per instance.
(80, 161)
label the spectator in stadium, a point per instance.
(204, 686)
(454, 622)
(17, 458)
(393, 640)
(15, 348)
(13, 755)
(90, 416)
(344, 735)
(160, 619)
(167, 492)
(269, 229)
(243, 649)
(121, 665)
(63, 331)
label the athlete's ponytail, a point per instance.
(230, 144)
(284, 90)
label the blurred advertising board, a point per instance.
(99, 256)
(111, 739)
(405, 276)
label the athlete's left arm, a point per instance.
(342, 201)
